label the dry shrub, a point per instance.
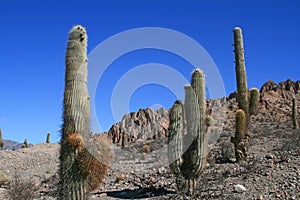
(120, 177)
(75, 140)
(94, 160)
(4, 179)
(21, 188)
(144, 156)
(146, 148)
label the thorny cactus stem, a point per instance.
(294, 113)
(73, 185)
(187, 149)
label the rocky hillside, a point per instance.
(272, 170)
(274, 107)
(144, 124)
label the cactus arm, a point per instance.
(176, 129)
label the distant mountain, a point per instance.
(10, 144)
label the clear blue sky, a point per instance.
(34, 36)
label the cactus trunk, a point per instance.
(294, 114)
(73, 185)
(187, 149)
(241, 78)
(247, 107)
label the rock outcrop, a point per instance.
(144, 124)
(274, 106)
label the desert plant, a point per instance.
(25, 144)
(74, 184)
(1, 140)
(96, 167)
(21, 188)
(4, 179)
(48, 138)
(294, 114)
(83, 164)
(239, 140)
(209, 121)
(254, 99)
(241, 77)
(249, 106)
(187, 141)
(146, 148)
(124, 139)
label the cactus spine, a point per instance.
(248, 108)
(74, 184)
(294, 114)
(48, 138)
(1, 140)
(187, 149)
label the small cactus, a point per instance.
(209, 121)
(254, 99)
(187, 141)
(1, 140)
(294, 113)
(240, 138)
(25, 144)
(48, 138)
(124, 139)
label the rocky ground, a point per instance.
(272, 170)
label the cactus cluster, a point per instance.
(247, 103)
(294, 114)
(187, 141)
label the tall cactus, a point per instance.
(294, 113)
(187, 142)
(241, 78)
(248, 108)
(76, 116)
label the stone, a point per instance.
(239, 188)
